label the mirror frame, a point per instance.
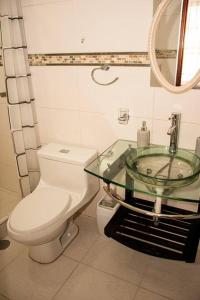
(153, 60)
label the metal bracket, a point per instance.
(121, 201)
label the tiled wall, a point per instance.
(119, 59)
(71, 107)
(132, 59)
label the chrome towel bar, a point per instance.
(118, 198)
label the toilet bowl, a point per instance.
(43, 220)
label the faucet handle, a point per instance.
(173, 116)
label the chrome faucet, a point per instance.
(173, 131)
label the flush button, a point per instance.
(64, 151)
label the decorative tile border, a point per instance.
(120, 59)
(166, 53)
(87, 59)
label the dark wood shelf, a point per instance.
(169, 238)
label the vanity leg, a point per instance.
(192, 243)
(129, 183)
(193, 240)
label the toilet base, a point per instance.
(47, 253)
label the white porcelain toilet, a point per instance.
(43, 220)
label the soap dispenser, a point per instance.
(143, 136)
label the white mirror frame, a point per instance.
(153, 60)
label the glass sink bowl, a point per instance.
(160, 170)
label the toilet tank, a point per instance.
(63, 166)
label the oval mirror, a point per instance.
(174, 44)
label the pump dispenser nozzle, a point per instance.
(143, 136)
(144, 126)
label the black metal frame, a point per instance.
(165, 238)
(171, 239)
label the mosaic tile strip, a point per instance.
(118, 59)
(132, 59)
(166, 53)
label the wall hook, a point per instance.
(104, 68)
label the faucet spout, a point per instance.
(173, 131)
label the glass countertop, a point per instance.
(110, 166)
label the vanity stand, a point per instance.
(141, 228)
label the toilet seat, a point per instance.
(39, 210)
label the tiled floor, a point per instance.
(96, 268)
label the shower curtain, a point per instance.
(21, 102)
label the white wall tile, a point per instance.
(159, 132)
(95, 131)
(4, 121)
(2, 81)
(8, 174)
(100, 131)
(9, 178)
(58, 126)
(51, 28)
(55, 87)
(8, 202)
(131, 90)
(6, 150)
(188, 104)
(39, 2)
(104, 25)
(188, 134)
(113, 26)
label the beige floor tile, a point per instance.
(173, 279)
(7, 255)
(24, 279)
(110, 256)
(3, 298)
(86, 237)
(146, 295)
(89, 284)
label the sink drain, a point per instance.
(4, 244)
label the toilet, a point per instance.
(43, 220)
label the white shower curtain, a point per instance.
(21, 102)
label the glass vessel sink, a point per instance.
(159, 170)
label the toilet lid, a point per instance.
(39, 209)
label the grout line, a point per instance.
(136, 293)
(110, 274)
(183, 122)
(80, 261)
(42, 4)
(70, 275)
(57, 108)
(12, 260)
(153, 114)
(92, 245)
(140, 285)
(153, 292)
(6, 298)
(143, 274)
(78, 264)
